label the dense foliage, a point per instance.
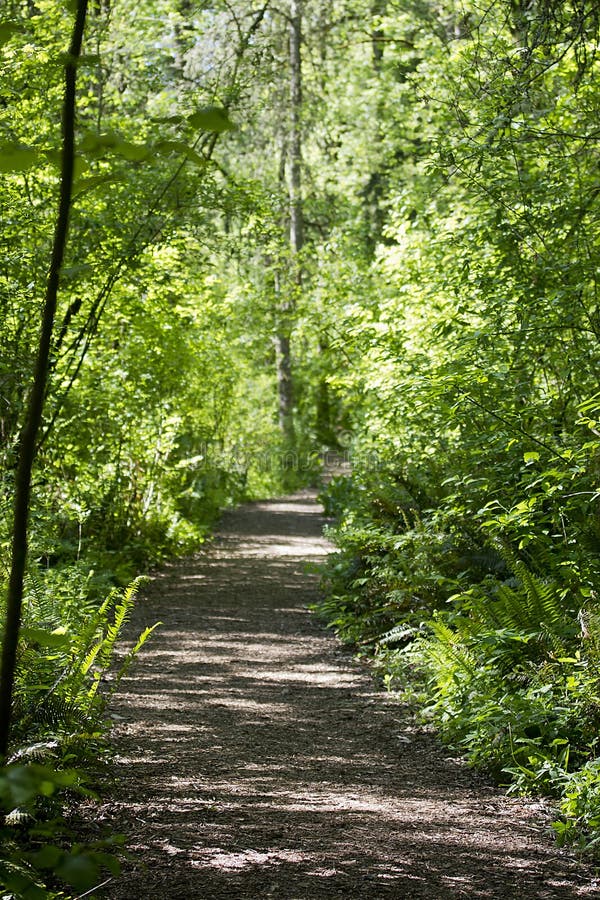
(468, 531)
(365, 227)
(154, 414)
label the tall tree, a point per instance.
(296, 227)
(35, 406)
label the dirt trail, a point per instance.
(256, 760)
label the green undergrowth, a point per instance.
(65, 678)
(493, 638)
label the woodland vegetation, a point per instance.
(362, 226)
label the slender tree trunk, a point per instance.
(287, 301)
(323, 412)
(285, 389)
(374, 188)
(323, 408)
(296, 212)
(33, 417)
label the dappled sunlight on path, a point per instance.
(256, 759)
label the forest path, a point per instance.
(256, 759)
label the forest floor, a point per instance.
(257, 759)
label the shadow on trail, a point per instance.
(256, 760)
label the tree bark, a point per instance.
(285, 388)
(374, 189)
(296, 212)
(35, 406)
(296, 235)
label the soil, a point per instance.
(257, 759)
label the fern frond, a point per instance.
(18, 816)
(130, 656)
(41, 751)
(485, 614)
(91, 634)
(39, 605)
(538, 604)
(397, 634)
(448, 651)
(122, 613)
(90, 658)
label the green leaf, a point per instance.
(78, 870)
(131, 151)
(81, 165)
(45, 638)
(211, 118)
(533, 456)
(168, 120)
(19, 784)
(109, 862)
(166, 148)
(17, 158)
(83, 185)
(48, 857)
(96, 146)
(92, 143)
(590, 404)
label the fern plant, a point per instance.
(448, 652)
(530, 618)
(60, 672)
(60, 720)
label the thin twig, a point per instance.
(91, 890)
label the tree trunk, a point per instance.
(287, 295)
(374, 189)
(296, 213)
(33, 416)
(286, 393)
